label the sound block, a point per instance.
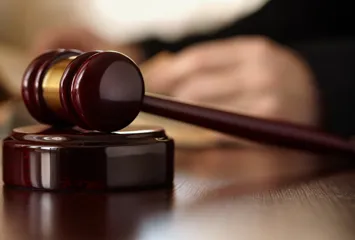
(46, 158)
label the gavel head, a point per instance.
(100, 91)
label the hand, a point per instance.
(80, 38)
(76, 37)
(248, 75)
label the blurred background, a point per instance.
(22, 24)
(22, 21)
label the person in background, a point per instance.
(291, 60)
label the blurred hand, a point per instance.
(76, 37)
(79, 38)
(248, 75)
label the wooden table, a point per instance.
(220, 193)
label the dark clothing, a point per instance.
(320, 31)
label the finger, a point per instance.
(165, 75)
(211, 87)
(216, 54)
(152, 68)
(201, 57)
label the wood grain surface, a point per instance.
(219, 193)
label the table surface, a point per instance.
(219, 193)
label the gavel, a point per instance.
(105, 91)
(101, 93)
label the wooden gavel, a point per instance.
(104, 91)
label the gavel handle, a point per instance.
(256, 129)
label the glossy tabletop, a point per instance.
(230, 192)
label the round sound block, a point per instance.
(42, 157)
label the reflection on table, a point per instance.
(219, 193)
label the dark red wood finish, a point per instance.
(32, 86)
(66, 85)
(28, 83)
(261, 130)
(107, 91)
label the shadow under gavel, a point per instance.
(104, 91)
